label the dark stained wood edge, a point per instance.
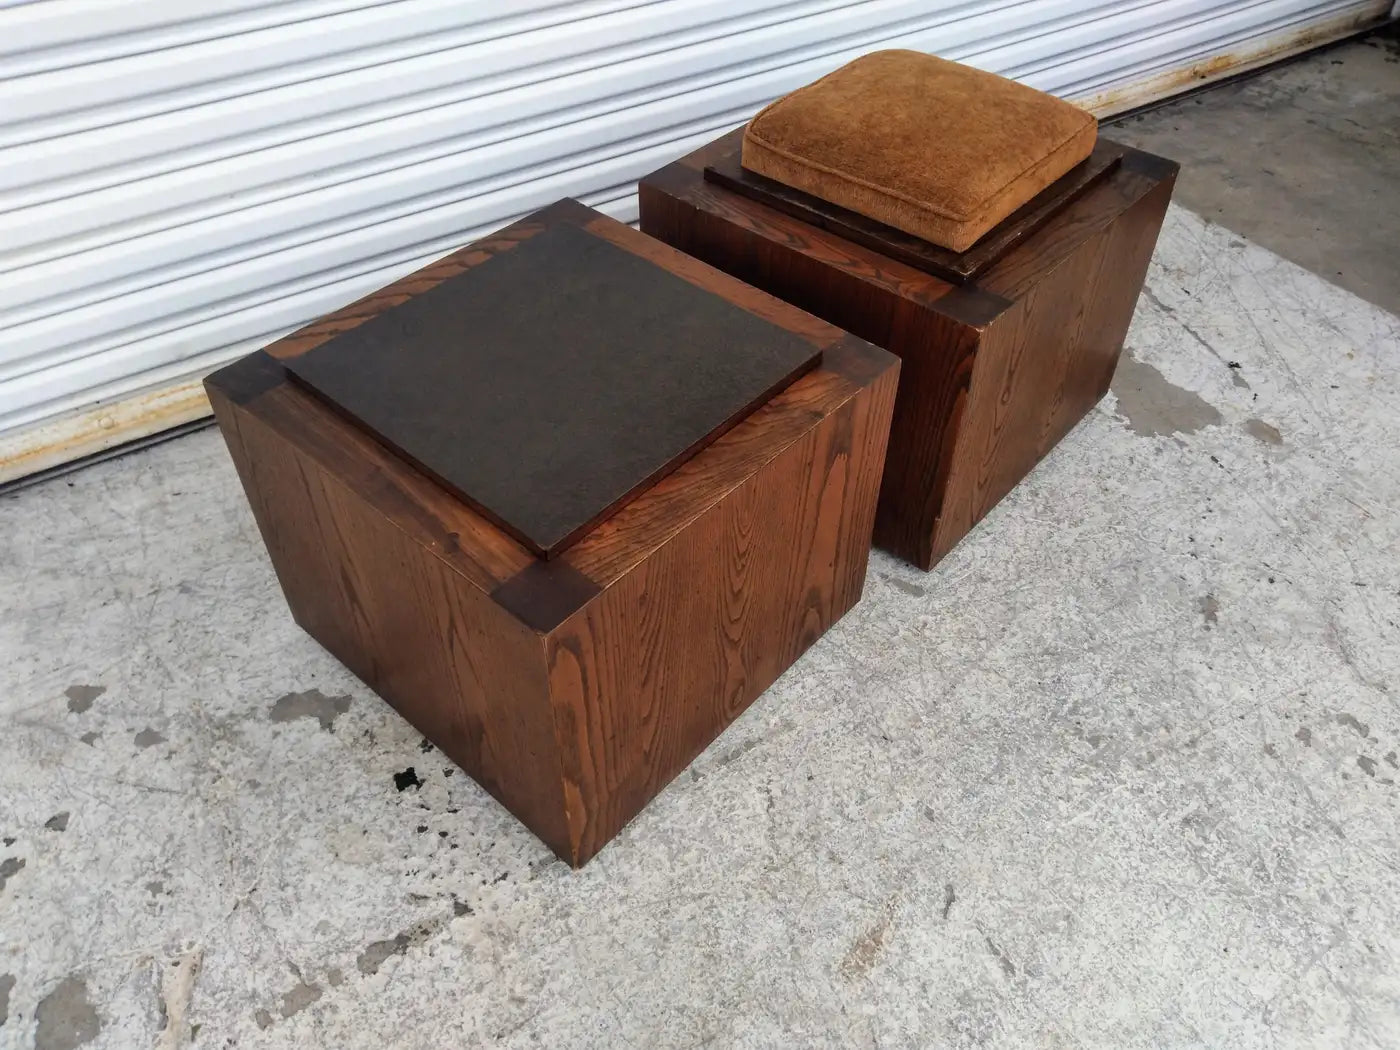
(958, 267)
(545, 594)
(247, 378)
(972, 306)
(851, 359)
(1151, 165)
(935, 380)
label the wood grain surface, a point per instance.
(573, 689)
(713, 617)
(995, 371)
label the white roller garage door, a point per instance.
(184, 180)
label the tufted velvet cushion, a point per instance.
(928, 146)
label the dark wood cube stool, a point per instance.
(1004, 346)
(568, 499)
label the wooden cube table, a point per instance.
(1004, 347)
(568, 499)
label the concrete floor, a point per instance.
(1120, 773)
(1303, 159)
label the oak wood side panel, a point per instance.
(434, 645)
(302, 565)
(1042, 365)
(937, 358)
(867, 458)
(1114, 293)
(1000, 425)
(657, 665)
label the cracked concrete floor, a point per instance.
(1121, 772)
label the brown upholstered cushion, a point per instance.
(928, 146)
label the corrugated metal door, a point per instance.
(184, 181)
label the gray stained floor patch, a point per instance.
(865, 952)
(1261, 431)
(80, 697)
(1210, 610)
(1154, 407)
(374, 955)
(9, 868)
(299, 998)
(147, 738)
(310, 704)
(914, 590)
(65, 1019)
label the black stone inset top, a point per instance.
(548, 385)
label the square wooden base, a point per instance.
(995, 372)
(572, 689)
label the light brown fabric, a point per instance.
(928, 146)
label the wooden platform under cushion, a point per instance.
(958, 267)
(995, 371)
(572, 689)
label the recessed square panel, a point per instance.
(550, 384)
